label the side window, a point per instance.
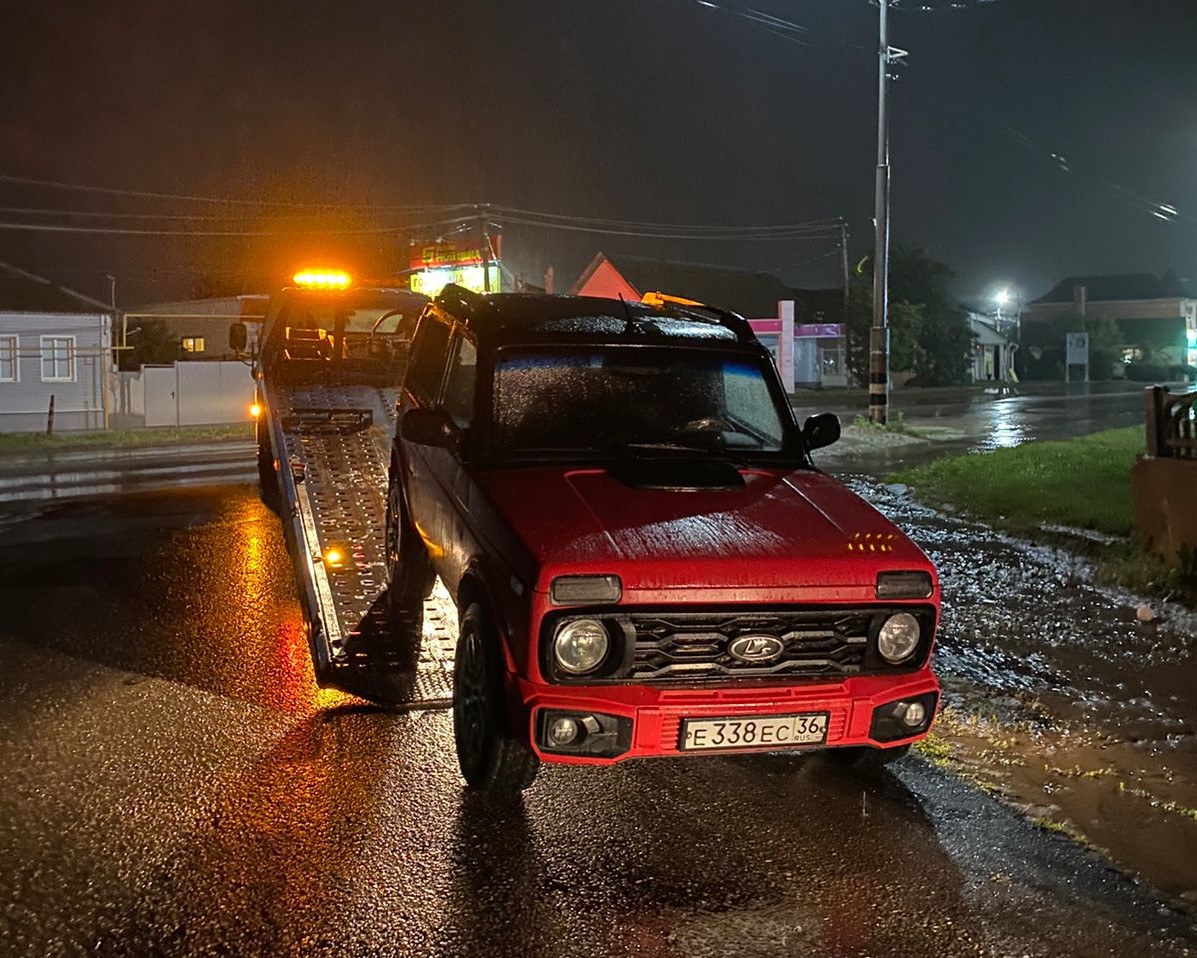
(427, 360)
(459, 387)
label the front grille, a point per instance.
(693, 646)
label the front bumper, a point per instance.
(656, 714)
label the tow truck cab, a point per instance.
(644, 558)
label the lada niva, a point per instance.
(644, 558)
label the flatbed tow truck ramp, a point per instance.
(328, 377)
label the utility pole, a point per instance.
(844, 261)
(879, 333)
(484, 230)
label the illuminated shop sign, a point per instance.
(435, 265)
(453, 254)
(432, 281)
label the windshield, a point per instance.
(621, 399)
(301, 315)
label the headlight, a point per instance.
(898, 638)
(581, 646)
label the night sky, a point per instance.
(648, 110)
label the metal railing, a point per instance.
(1171, 423)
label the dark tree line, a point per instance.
(929, 330)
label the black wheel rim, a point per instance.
(469, 702)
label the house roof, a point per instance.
(1117, 288)
(749, 292)
(24, 292)
(248, 303)
(986, 332)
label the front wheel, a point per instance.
(491, 759)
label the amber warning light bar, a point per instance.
(322, 278)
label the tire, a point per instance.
(490, 758)
(865, 757)
(410, 576)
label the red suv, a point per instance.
(644, 558)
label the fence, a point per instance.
(1171, 424)
(184, 394)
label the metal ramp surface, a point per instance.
(337, 441)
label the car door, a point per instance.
(421, 390)
(458, 402)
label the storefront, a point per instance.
(467, 263)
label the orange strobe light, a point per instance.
(322, 278)
(255, 410)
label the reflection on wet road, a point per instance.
(982, 423)
(173, 784)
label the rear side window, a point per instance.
(428, 354)
(458, 400)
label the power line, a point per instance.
(831, 222)
(644, 234)
(232, 201)
(121, 231)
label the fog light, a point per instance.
(915, 714)
(563, 731)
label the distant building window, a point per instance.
(193, 344)
(10, 369)
(58, 359)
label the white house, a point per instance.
(55, 347)
(993, 352)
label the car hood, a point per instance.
(797, 531)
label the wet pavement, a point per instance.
(171, 783)
(1059, 696)
(88, 472)
(981, 422)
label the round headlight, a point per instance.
(581, 646)
(898, 638)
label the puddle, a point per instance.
(1057, 695)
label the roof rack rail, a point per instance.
(727, 319)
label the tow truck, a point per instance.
(328, 366)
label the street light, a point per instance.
(887, 57)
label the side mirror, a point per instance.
(821, 430)
(429, 427)
(238, 337)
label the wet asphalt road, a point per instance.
(978, 423)
(171, 783)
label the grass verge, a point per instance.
(1082, 483)
(12, 444)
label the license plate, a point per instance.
(763, 731)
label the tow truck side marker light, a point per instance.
(333, 557)
(255, 410)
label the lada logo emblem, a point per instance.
(755, 648)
